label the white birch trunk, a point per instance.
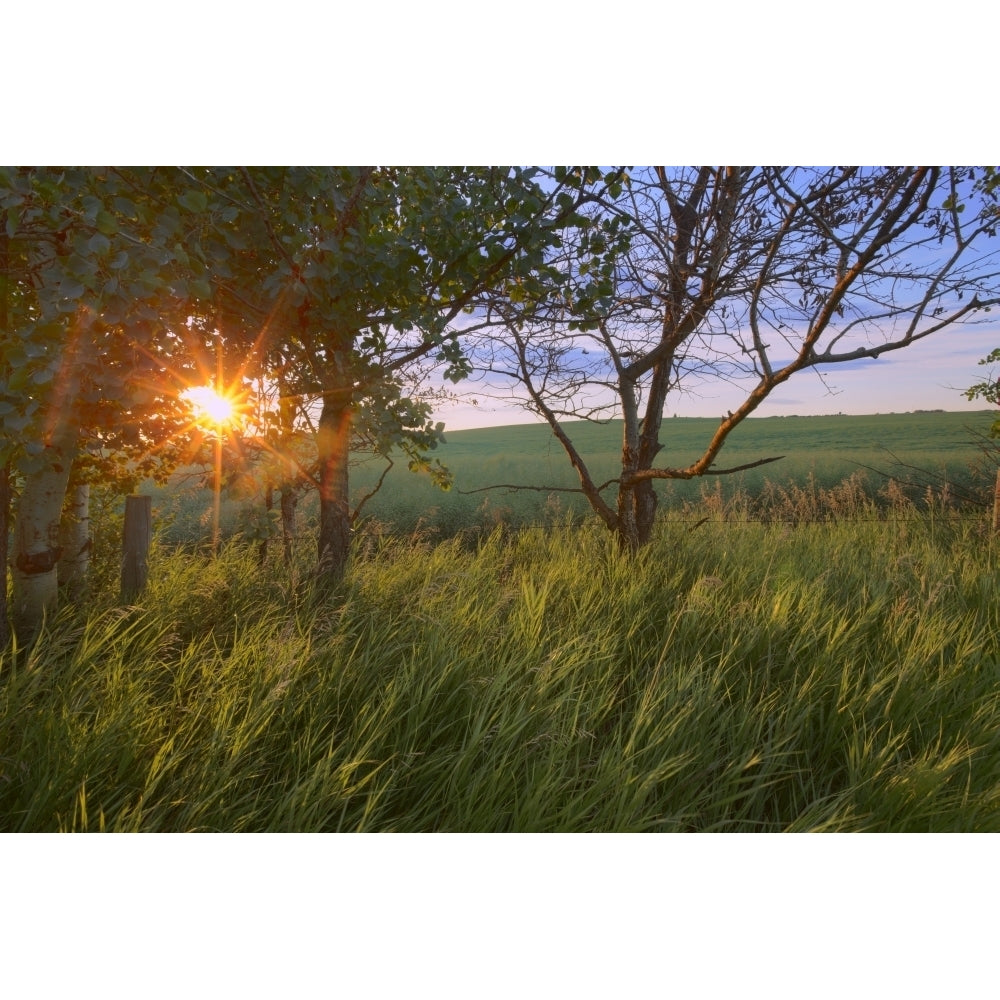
(74, 562)
(36, 536)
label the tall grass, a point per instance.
(738, 677)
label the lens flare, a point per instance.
(209, 406)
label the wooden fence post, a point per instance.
(135, 546)
(996, 506)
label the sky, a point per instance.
(932, 374)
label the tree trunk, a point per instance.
(645, 510)
(636, 515)
(268, 507)
(996, 506)
(291, 477)
(36, 538)
(625, 525)
(75, 542)
(4, 535)
(649, 447)
(5, 468)
(637, 501)
(334, 442)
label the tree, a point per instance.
(5, 470)
(989, 390)
(740, 274)
(94, 278)
(343, 279)
(987, 186)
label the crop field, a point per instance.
(826, 450)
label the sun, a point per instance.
(210, 406)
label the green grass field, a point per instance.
(739, 677)
(820, 452)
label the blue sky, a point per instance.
(930, 375)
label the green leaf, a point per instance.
(236, 239)
(193, 200)
(32, 464)
(99, 244)
(124, 207)
(107, 223)
(91, 206)
(16, 423)
(31, 349)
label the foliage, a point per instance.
(342, 286)
(834, 677)
(988, 185)
(95, 290)
(990, 390)
(345, 288)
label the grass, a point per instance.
(738, 677)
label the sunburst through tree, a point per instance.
(210, 407)
(219, 412)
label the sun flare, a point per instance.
(209, 406)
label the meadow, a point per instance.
(831, 674)
(915, 450)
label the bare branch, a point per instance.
(646, 474)
(381, 479)
(514, 487)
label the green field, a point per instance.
(828, 449)
(820, 452)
